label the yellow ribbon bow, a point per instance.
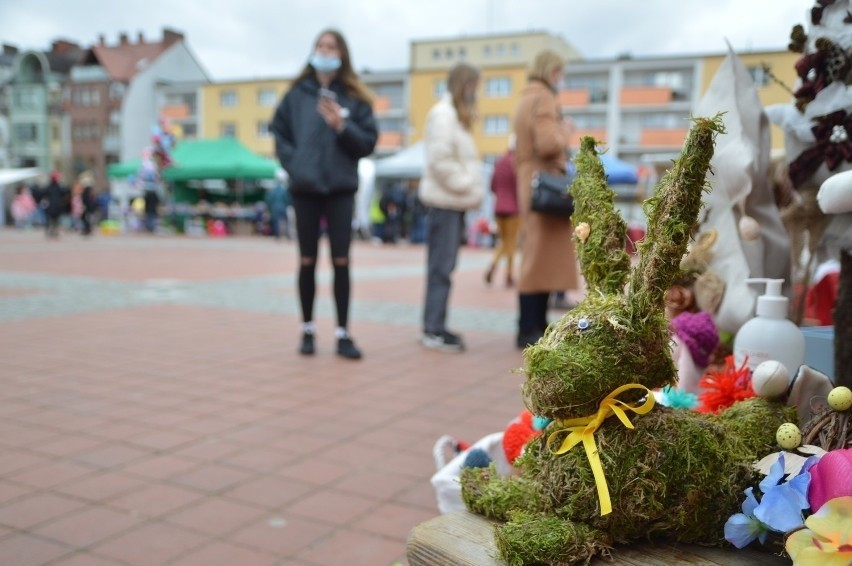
(583, 429)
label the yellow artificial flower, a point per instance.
(827, 538)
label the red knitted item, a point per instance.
(517, 434)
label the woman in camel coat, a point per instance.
(548, 260)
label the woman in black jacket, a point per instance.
(322, 127)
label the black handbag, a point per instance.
(550, 194)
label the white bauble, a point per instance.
(770, 379)
(749, 228)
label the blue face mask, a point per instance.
(324, 63)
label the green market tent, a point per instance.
(224, 158)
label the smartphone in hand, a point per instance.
(327, 94)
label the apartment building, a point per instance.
(38, 126)
(503, 59)
(641, 107)
(244, 109)
(118, 92)
(390, 108)
(8, 54)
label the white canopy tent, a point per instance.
(9, 176)
(405, 164)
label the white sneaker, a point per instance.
(443, 341)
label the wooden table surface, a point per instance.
(465, 539)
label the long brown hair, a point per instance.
(460, 77)
(345, 74)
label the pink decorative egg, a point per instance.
(830, 477)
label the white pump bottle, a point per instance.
(770, 335)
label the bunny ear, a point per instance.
(673, 217)
(599, 231)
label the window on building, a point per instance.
(116, 91)
(227, 98)
(498, 87)
(394, 92)
(589, 121)
(391, 124)
(760, 75)
(25, 132)
(486, 50)
(266, 97)
(496, 125)
(96, 97)
(55, 132)
(595, 84)
(440, 88)
(515, 50)
(26, 98)
(501, 50)
(190, 131)
(113, 130)
(436, 54)
(449, 52)
(86, 97)
(664, 121)
(462, 53)
(263, 129)
(227, 129)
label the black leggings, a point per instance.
(337, 210)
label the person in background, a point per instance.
(504, 185)
(451, 184)
(152, 209)
(53, 204)
(548, 259)
(76, 205)
(322, 127)
(278, 201)
(103, 201)
(87, 197)
(23, 207)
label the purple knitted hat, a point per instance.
(697, 331)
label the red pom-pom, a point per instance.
(721, 389)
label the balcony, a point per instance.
(598, 133)
(672, 138)
(389, 140)
(574, 97)
(646, 96)
(381, 104)
(176, 111)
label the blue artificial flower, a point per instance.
(780, 507)
(782, 504)
(776, 474)
(742, 528)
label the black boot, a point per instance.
(530, 327)
(307, 347)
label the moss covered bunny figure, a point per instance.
(612, 467)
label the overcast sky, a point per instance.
(236, 39)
